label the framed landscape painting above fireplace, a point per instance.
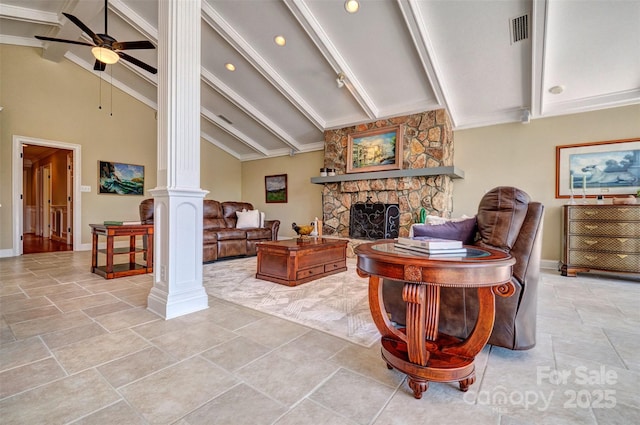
(375, 150)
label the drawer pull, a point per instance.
(590, 213)
(623, 224)
(622, 256)
(591, 227)
(622, 240)
(590, 257)
(623, 209)
(591, 242)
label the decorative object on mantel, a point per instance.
(375, 150)
(302, 231)
(598, 168)
(629, 200)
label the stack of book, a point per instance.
(432, 246)
(121, 223)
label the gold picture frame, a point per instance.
(375, 150)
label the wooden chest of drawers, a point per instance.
(601, 237)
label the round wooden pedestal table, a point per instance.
(419, 350)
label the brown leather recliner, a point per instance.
(220, 237)
(509, 221)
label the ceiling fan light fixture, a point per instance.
(351, 6)
(105, 55)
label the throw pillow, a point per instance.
(248, 219)
(436, 219)
(464, 230)
(261, 219)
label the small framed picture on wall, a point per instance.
(275, 188)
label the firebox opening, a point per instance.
(374, 220)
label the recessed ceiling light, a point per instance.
(351, 6)
(556, 89)
(280, 40)
(230, 66)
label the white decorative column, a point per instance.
(178, 288)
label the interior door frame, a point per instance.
(46, 201)
(17, 191)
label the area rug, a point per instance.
(336, 304)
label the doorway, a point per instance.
(46, 196)
(44, 221)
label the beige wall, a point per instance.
(523, 155)
(59, 102)
(304, 198)
(220, 173)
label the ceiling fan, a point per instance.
(106, 49)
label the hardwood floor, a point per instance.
(32, 244)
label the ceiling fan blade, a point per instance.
(96, 39)
(130, 45)
(99, 66)
(137, 62)
(60, 40)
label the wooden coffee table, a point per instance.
(292, 262)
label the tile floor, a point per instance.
(78, 349)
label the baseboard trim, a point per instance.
(5, 253)
(550, 264)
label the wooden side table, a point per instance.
(111, 270)
(419, 350)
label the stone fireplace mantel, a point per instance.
(453, 172)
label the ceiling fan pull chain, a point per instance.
(111, 106)
(99, 91)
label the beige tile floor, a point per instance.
(77, 349)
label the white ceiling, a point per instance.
(398, 57)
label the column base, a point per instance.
(173, 305)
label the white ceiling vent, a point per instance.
(519, 28)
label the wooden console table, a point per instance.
(292, 262)
(111, 270)
(419, 350)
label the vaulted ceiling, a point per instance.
(397, 58)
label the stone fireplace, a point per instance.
(424, 181)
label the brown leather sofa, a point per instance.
(221, 238)
(509, 221)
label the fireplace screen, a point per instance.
(374, 220)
